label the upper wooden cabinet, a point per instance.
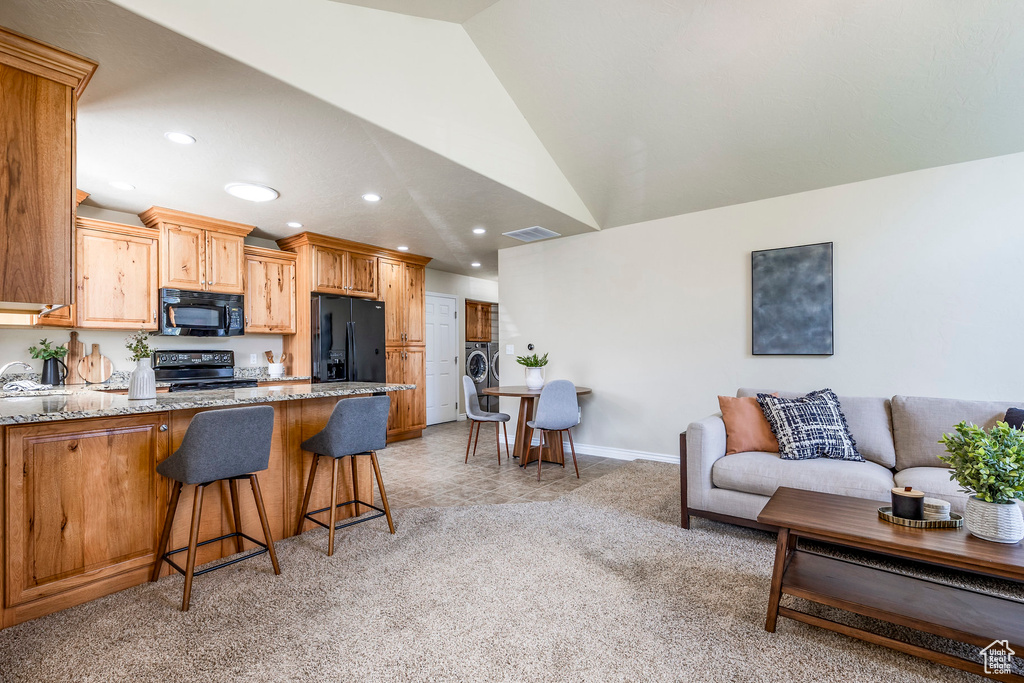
(199, 253)
(402, 289)
(39, 88)
(344, 272)
(478, 321)
(269, 291)
(117, 275)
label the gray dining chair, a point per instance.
(226, 444)
(477, 417)
(357, 426)
(557, 411)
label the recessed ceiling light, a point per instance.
(478, 231)
(371, 197)
(251, 192)
(475, 264)
(403, 248)
(121, 185)
(293, 224)
(179, 138)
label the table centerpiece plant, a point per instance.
(990, 466)
(142, 384)
(534, 369)
(51, 356)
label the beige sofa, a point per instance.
(897, 437)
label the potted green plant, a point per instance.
(142, 383)
(990, 466)
(51, 356)
(534, 369)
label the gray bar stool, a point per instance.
(557, 411)
(357, 426)
(231, 444)
(476, 416)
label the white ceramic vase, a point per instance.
(999, 522)
(534, 378)
(142, 383)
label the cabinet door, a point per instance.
(269, 296)
(225, 270)
(392, 288)
(415, 304)
(329, 271)
(82, 503)
(415, 401)
(361, 275)
(182, 257)
(116, 280)
(394, 373)
(62, 317)
(36, 188)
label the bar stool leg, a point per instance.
(258, 496)
(383, 495)
(573, 454)
(193, 539)
(472, 426)
(334, 507)
(309, 490)
(504, 428)
(236, 511)
(165, 535)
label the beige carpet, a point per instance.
(600, 585)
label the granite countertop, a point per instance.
(119, 382)
(78, 403)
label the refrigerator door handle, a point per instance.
(350, 361)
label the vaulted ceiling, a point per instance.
(571, 114)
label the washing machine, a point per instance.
(478, 369)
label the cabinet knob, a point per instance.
(154, 316)
(163, 428)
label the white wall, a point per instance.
(461, 287)
(655, 317)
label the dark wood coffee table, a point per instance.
(925, 605)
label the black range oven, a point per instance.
(197, 370)
(201, 314)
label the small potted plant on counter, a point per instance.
(52, 363)
(534, 369)
(142, 383)
(989, 465)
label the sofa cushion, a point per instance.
(870, 421)
(935, 483)
(918, 423)
(809, 427)
(746, 428)
(763, 473)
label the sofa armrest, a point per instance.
(705, 443)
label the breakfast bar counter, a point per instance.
(81, 504)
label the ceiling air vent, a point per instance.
(531, 234)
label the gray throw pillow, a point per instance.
(812, 426)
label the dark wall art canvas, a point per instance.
(792, 300)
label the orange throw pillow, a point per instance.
(746, 428)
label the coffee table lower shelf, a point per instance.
(942, 610)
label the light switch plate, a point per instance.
(253, 360)
(510, 349)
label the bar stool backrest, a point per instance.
(357, 425)
(220, 444)
(557, 407)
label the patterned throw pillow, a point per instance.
(810, 427)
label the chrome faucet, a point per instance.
(5, 368)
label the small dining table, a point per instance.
(527, 404)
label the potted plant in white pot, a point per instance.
(142, 383)
(989, 465)
(534, 369)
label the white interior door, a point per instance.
(442, 359)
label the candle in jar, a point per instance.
(907, 502)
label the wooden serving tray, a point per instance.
(955, 521)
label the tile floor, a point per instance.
(430, 471)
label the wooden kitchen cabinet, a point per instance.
(39, 89)
(403, 291)
(408, 416)
(198, 253)
(478, 321)
(269, 291)
(83, 510)
(116, 276)
(344, 272)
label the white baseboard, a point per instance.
(609, 452)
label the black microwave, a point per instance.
(201, 314)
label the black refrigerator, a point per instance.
(348, 339)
